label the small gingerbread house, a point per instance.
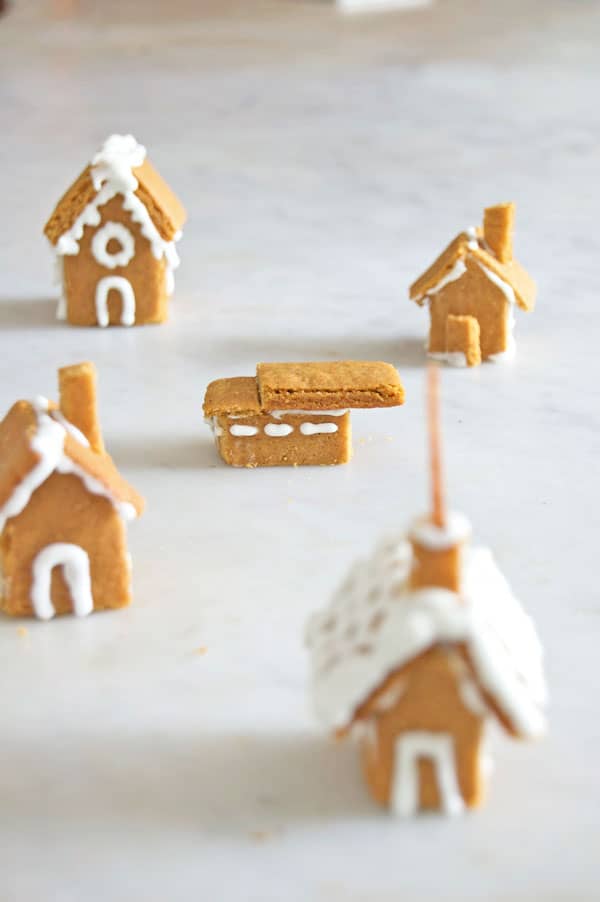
(293, 414)
(421, 646)
(114, 233)
(63, 507)
(472, 290)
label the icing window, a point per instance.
(113, 245)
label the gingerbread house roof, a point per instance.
(119, 167)
(36, 441)
(332, 385)
(376, 625)
(451, 264)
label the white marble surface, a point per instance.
(324, 162)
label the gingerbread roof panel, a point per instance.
(120, 166)
(440, 267)
(36, 441)
(375, 625)
(235, 396)
(331, 385)
(17, 456)
(471, 243)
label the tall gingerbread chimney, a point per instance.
(498, 225)
(78, 405)
(437, 540)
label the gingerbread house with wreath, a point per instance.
(114, 233)
(63, 507)
(421, 646)
(472, 290)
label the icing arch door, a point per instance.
(125, 289)
(75, 564)
(437, 748)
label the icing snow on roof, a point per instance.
(40, 441)
(375, 625)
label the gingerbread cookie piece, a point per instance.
(463, 337)
(296, 414)
(63, 506)
(422, 645)
(476, 276)
(114, 233)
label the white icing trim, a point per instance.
(239, 431)
(318, 428)
(278, 430)
(437, 748)
(376, 624)
(278, 414)
(124, 286)
(457, 272)
(457, 529)
(111, 175)
(109, 231)
(48, 445)
(452, 358)
(75, 565)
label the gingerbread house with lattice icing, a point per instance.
(472, 290)
(114, 233)
(63, 507)
(421, 646)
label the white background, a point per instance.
(324, 163)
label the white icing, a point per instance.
(112, 174)
(48, 444)
(113, 231)
(457, 529)
(377, 624)
(453, 358)
(122, 285)
(437, 748)
(277, 430)
(278, 414)
(318, 428)
(115, 160)
(240, 431)
(217, 430)
(457, 272)
(75, 565)
(69, 427)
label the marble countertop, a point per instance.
(167, 751)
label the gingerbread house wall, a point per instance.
(422, 697)
(82, 273)
(63, 510)
(473, 294)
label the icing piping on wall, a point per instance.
(75, 565)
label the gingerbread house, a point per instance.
(63, 507)
(414, 672)
(472, 290)
(422, 645)
(293, 414)
(114, 233)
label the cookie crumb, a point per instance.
(22, 631)
(201, 650)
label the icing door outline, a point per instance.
(437, 748)
(122, 285)
(75, 565)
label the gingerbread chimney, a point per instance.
(77, 385)
(498, 225)
(437, 540)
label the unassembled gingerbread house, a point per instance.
(293, 414)
(114, 234)
(472, 290)
(63, 507)
(422, 645)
